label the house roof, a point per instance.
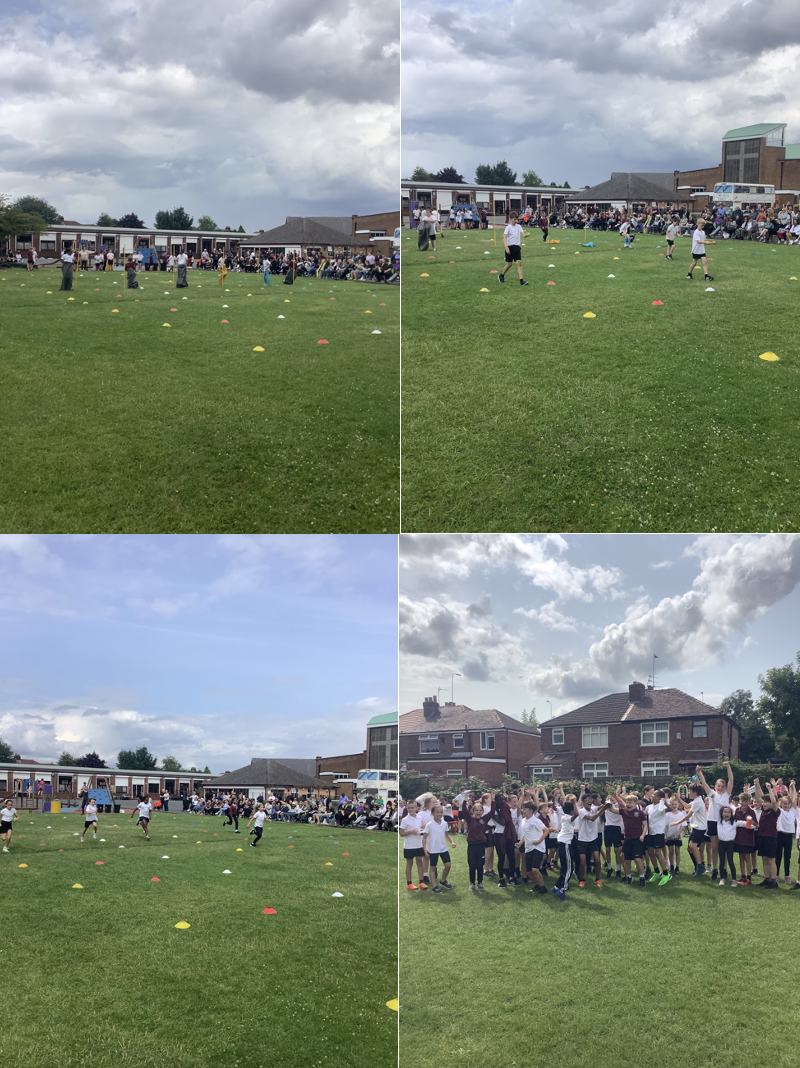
(459, 717)
(67, 769)
(388, 718)
(265, 772)
(664, 179)
(618, 708)
(759, 130)
(302, 230)
(333, 222)
(624, 186)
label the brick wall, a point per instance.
(386, 220)
(512, 750)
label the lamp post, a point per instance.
(451, 682)
(551, 707)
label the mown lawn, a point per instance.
(618, 977)
(519, 414)
(101, 976)
(116, 423)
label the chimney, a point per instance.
(430, 707)
(636, 691)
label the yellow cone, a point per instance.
(240, 850)
(258, 348)
(70, 298)
(165, 324)
(393, 1004)
(484, 290)
(328, 864)
(589, 315)
(793, 278)
(115, 311)
(769, 356)
(183, 925)
(23, 865)
(424, 276)
(77, 886)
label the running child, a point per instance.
(512, 241)
(258, 818)
(477, 827)
(7, 816)
(436, 837)
(144, 808)
(699, 250)
(634, 828)
(413, 849)
(90, 818)
(672, 233)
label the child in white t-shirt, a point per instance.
(699, 250)
(144, 808)
(672, 233)
(411, 833)
(7, 816)
(90, 818)
(436, 837)
(512, 241)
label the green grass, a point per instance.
(114, 423)
(680, 975)
(100, 976)
(520, 414)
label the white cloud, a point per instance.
(662, 565)
(549, 616)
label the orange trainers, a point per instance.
(581, 884)
(410, 886)
(598, 883)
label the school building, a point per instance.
(756, 156)
(495, 200)
(454, 741)
(380, 754)
(21, 782)
(639, 734)
(630, 192)
(263, 776)
(71, 236)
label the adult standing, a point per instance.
(84, 795)
(67, 267)
(182, 282)
(165, 801)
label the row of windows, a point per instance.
(650, 769)
(654, 733)
(429, 743)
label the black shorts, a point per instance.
(612, 836)
(674, 843)
(632, 849)
(698, 837)
(656, 841)
(698, 255)
(90, 823)
(436, 857)
(767, 847)
(514, 253)
(408, 853)
(587, 849)
(6, 826)
(711, 829)
(745, 850)
(670, 244)
(648, 842)
(534, 859)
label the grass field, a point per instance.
(101, 976)
(116, 423)
(519, 414)
(619, 977)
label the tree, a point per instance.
(566, 185)
(206, 770)
(529, 718)
(170, 763)
(37, 206)
(13, 221)
(779, 704)
(205, 222)
(104, 219)
(449, 174)
(140, 759)
(67, 760)
(131, 220)
(91, 760)
(7, 754)
(177, 219)
(531, 178)
(503, 174)
(241, 229)
(419, 174)
(756, 744)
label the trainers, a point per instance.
(446, 885)
(522, 282)
(5, 850)
(689, 277)
(422, 886)
(598, 883)
(436, 890)
(501, 278)
(147, 837)
(539, 890)
(581, 885)
(502, 883)
(655, 877)
(787, 879)
(480, 886)
(426, 879)
(714, 873)
(618, 873)
(642, 881)
(559, 893)
(472, 887)
(665, 878)
(647, 873)
(795, 887)
(734, 882)
(409, 886)
(81, 839)
(721, 882)
(709, 278)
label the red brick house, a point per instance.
(455, 741)
(644, 733)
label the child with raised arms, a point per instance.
(673, 834)
(477, 826)
(587, 847)
(787, 812)
(565, 836)
(634, 828)
(413, 849)
(612, 835)
(726, 834)
(768, 835)
(719, 796)
(533, 834)
(435, 838)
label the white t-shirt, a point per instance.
(624, 228)
(90, 812)
(716, 803)
(8, 814)
(587, 829)
(513, 234)
(435, 833)
(726, 832)
(414, 824)
(181, 259)
(259, 818)
(698, 820)
(533, 828)
(566, 833)
(67, 257)
(144, 810)
(613, 818)
(699, 242)
(425, 817)
(555, 819)
(786, 820)
(657, 817)
(672, 232)
(674, 831)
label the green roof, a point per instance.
(759, 130)
(380, 721)
(792, 151)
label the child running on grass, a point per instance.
(258, 818)
(7, 817)
(699, 250)
(512, 238)
(672, 232)
(436, 837)
(413, 850)
(90, 818)
(144, 808)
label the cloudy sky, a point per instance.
(578, 91)
(247, 111)
(212, 649)
(528, 619)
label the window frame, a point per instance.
(697, 723)
(538, 772)
(655, 773)
(430, 739)
(595, 774)
(652, 726)
(592, 728)
(553, 731)
(458, 741)
(484, 739)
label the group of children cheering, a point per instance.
(532, 834)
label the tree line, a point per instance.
(33, 215)
(485, 174)
(140, 759)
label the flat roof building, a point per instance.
(752, 155)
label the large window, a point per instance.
(595, 771)
(655, 733)
(699, 728)
(383, 747)
(429, 743)
(651, 768)
(487, 739)
(741, 160)
(558, 735)
(595, 737)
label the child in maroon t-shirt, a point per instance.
(634, 828)
(745, 840)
